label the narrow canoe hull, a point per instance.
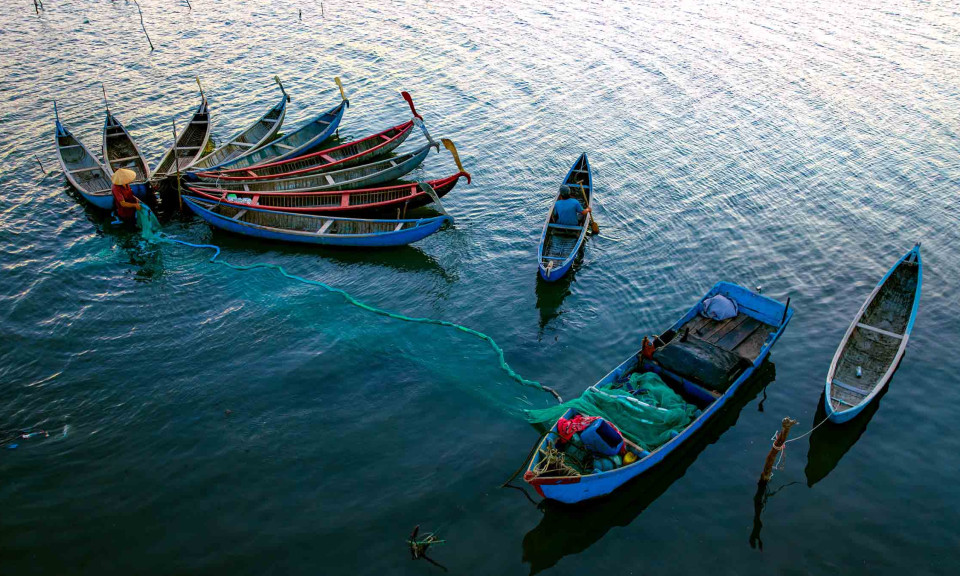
(339, 157)
(579, 488)
(364, 176)
(876, 340)
(346, 202)
(190, 144)
(121, 151)
(297, 143)
(82, 169)
(417, 230)
(247, 140)
(559, 245)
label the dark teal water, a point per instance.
(798, 146)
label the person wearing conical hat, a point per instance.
(124, 202)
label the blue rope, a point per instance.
(496, 348)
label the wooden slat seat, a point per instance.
(125, 159)
(91, 169)
(848, 388)
(565, 227)
(239, 215)
(879, 331)
(326, 226)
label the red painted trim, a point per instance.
(537, 482)
(442, 187)
(399, 130)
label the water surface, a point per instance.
(801, 148)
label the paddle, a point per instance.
(343, 95)
(202, 97)
(280, 84)
(105, 102)
(448, 144)
(406, 96)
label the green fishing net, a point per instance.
(149, 225)
(649, 418)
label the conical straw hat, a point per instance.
(124, 176)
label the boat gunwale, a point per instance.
(259, 143)
(416, 157)
(438, 183)
(404, 131)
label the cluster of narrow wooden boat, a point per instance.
(299, 187)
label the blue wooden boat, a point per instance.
(560, 244)
(310, 229)
(703, 360)
(82, 169)
(363, 176)
(247, 140)
(875, 342)
(295, 144)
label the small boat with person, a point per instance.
(560, 242)
(250, 138)
(314, 229)
(875, 341)
(657, 399)
(82, 169)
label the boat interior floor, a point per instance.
(874, 343)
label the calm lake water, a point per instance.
(801, 147)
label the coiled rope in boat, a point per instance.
(149, 227)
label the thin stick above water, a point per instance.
(142, 25)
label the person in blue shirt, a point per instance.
(568, 210)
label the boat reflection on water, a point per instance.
(830, 442)
(552, 538)
(550, 295)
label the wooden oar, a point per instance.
(343, 95)
(406, 96)
(202, 97)
(448, 144)
(594, 227)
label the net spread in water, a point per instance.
(649, 418)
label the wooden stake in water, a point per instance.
(143, 26)
(321, 10)
(778, 443)
(41, 164)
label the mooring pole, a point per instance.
(781, 439)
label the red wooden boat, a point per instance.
(388, 198)
(360, 151)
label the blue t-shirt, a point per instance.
(567, 211)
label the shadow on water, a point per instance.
(571, 529)
(550, 297)
(400, 258)
(830, 442)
